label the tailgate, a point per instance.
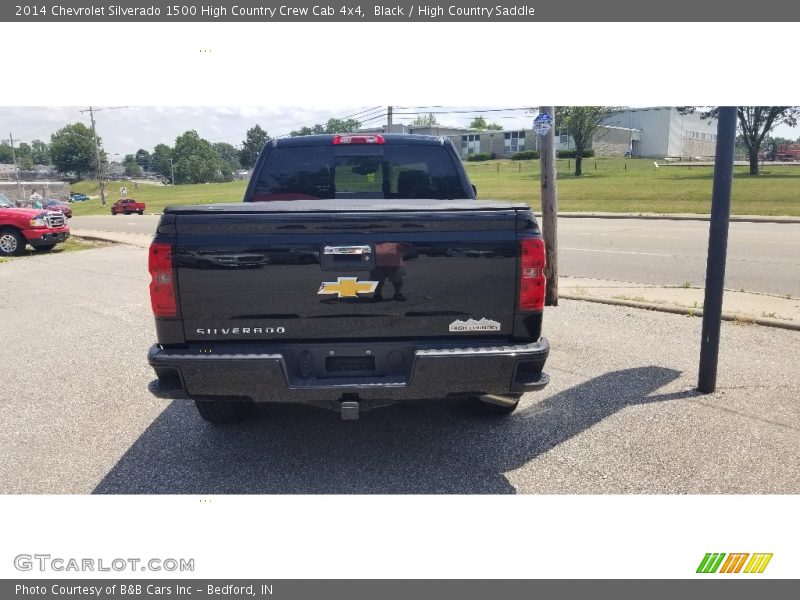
(346, 276)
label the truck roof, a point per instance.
(389, 138)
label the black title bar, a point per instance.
(344, 589)
(304, 11)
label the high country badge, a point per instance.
(473, 325)
(347, 287)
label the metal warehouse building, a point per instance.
(668, 134)
(657, 132)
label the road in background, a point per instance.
(762, 257)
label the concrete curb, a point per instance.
(144, 243)
(696, 312)
(674, 217)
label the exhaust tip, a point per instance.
(498, 400)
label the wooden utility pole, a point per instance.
(99, 164)
(16, 168)
(547, 162)
(389, 120)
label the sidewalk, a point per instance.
(753, 307)
(132, 239)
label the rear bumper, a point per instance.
(277, 374)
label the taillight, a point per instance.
(162, 286)
(531, 274)
(358, 139)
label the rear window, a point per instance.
(359, 171)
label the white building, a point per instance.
(666, 133)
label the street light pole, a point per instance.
(717, 249)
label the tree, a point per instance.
(494, 127)
(478, 124)
(228, 154)
(160, 160)
(25, 157)
(196, 161)
(256, 138)
(581, 123)
(307, 131)
(332, 126)
(131, 165)
(342, 126)
(143, 159)
(6, 155)
(425, 121)
(72, 150)
(755, 123)
(40, 152)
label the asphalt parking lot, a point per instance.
(620, 416)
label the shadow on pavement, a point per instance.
(412, 448)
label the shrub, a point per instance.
(571, 153)
(480, 156)
(526, 155)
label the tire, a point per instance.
(141, 212)
(12, 243)
(223, 412)
(498, 410)
(45, 248)
(113, 212)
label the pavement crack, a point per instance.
(747, 415)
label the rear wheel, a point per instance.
(141, 212)
(12, 243)
(224, 411)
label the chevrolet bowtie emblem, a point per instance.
(347, 287)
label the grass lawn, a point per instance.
(71, 245)
(607, 185)
(638, 186)
(155, 197)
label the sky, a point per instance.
(125, 129)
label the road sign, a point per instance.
(543, 123)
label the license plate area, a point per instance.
(350, 365)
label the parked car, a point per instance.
(78, 197)
(127, 206)
(58, 206)
(22, 226)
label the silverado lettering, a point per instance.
(242, 330)
(366, 272)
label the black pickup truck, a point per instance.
(359, 271)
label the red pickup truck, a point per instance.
(21, 226)
(127, 206)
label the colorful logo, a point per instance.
(734, 562)
(347, 287)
